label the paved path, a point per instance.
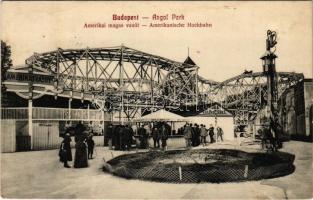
(40, 175)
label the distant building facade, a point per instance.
(296, 109)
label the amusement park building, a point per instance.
(50, 119)
(216, 116)
(52, 115)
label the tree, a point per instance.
(6, 61)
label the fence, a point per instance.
(14, 113)
(14, 136)
(238, 166)
(46, 126)
(42, 113)
(8, 140)
(182, 175)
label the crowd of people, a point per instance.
(160, 132)
(120, 137)
(123, 137)
(196, 135)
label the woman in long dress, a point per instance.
(81, 153)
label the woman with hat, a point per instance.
(65, 152)
(81, 153)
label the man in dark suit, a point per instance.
(211, 133)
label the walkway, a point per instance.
(38, 174)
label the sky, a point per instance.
(234, 43)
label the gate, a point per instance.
(46, 135)
(23, 140)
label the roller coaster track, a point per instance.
(123, 78)
(244, 95)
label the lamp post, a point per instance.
(269, 69)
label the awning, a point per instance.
(161, 116)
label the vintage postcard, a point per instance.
(156, 100)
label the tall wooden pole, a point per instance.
(122, 85)
(30, 122)
(30, 108)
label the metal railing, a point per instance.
(42, 113)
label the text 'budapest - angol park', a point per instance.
(160, 18)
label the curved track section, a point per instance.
(244, 95)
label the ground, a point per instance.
(39, 174)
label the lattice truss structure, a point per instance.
(132, 82)
(124, 78)
(246, 94)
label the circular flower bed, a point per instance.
(202, 165)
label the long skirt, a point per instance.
(81, 156)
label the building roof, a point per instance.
(161, 115)
(189, 61)
(215, 110)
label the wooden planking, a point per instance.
(46, 135)
(8, 140)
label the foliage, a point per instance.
(6, 61)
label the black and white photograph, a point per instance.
(156, 100)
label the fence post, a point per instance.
(88, 114)
(180, 173)
(246, 171)
(70, 109)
